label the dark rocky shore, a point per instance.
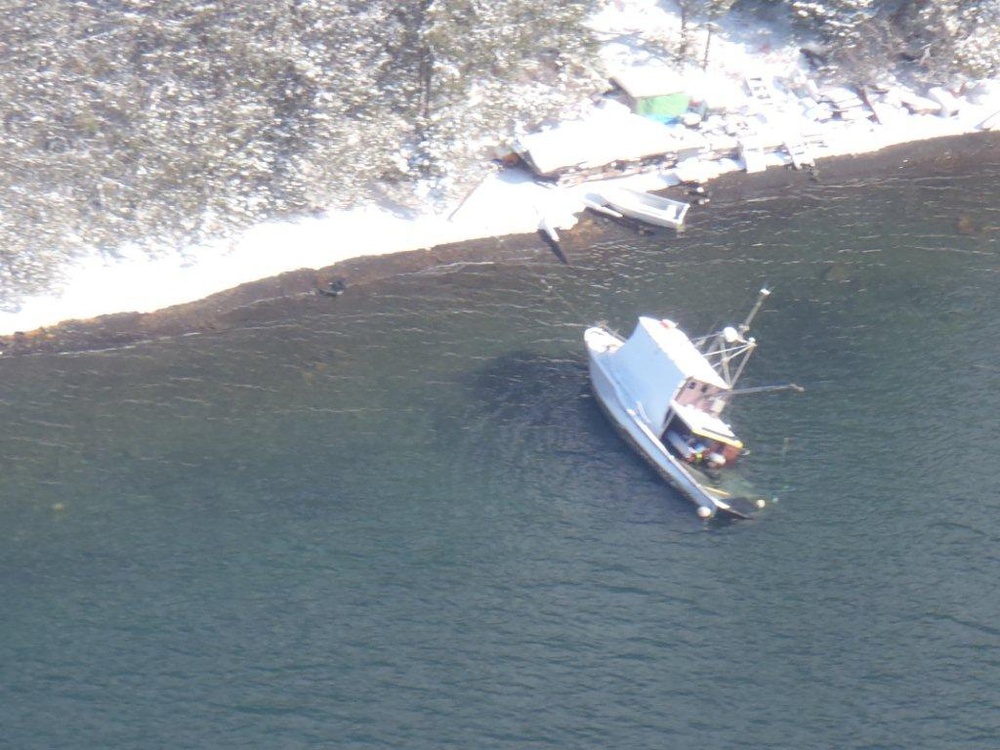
(310, 289)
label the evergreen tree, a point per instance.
(949, 37)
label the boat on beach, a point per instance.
(642, 206)
(665, 393)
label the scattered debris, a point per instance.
(333, 288)
(800, 154)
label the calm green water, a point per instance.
(398, 519)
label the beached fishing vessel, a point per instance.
(666, 393)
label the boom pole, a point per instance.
(762, 297)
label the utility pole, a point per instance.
(709, 27)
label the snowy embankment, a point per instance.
(510, 201)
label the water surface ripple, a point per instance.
(400, 520)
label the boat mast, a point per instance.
(726, 345)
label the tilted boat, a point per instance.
(645, 207)
(665, 393)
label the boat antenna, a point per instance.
(761, 298)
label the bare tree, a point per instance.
(693, 14)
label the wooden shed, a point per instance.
(653, 91)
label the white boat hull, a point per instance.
(638, 433)
(645, 207)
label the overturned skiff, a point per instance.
(665, 393)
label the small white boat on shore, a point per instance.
(665, 393)
(645, 207)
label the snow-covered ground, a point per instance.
(633, 32)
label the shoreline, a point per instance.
(242, 306)
(129, 296)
